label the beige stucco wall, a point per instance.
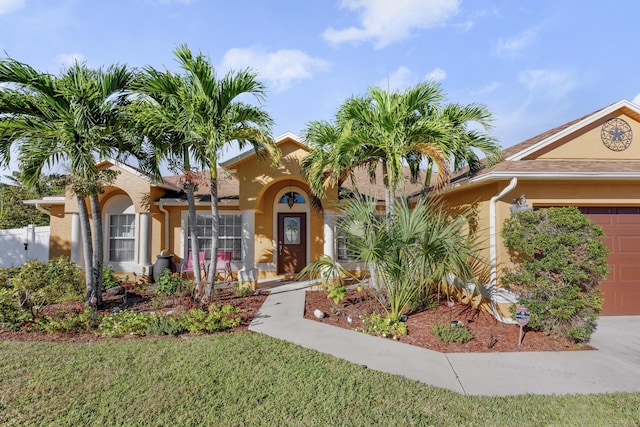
(587, 144)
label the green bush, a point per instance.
(559, 260)
(215, 318)
(387, 327)
(109, 280)
(165, 325)
(457, 333)
(170, 283)
(68, 322)
(125, 322)
(38, 284)
(241, 290)
(12, 316)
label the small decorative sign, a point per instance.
(522, 315)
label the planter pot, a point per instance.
(163, 263)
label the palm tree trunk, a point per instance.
(98, 247)
(87, 247)
(193, 232)
(215, 232)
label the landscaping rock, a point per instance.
(116, 290)
(319, 313)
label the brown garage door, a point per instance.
(621, 226)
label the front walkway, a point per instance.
(614, 367)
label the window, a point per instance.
(229, 239)
(122, 238)
(292, 198)
(344, 253)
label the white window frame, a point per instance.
(120, 205)
(184, 233)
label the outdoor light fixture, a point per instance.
(520, 205)
(290, 199)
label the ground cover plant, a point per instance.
(251, 379)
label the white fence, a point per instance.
(18, 245)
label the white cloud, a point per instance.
(516, 44)
(488, 89)
(636, 100)
(67, 59)
(437, 75)
(282, 68)
(9, 6)
(399, 79)
(389, 21)
(547, 83)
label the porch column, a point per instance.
(145, 240)
(329, 240)
(76, 241)
(248, 271)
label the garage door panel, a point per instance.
(628, 245)
(621, 225)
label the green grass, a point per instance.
(251, 379)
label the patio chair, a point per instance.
(223, 266)
(187, 267)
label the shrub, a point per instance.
(241, 290)
(69, 322)
(165, 325)
(337, 293)
(38, 284)
(170, 283)
(125, 322)
(457, 333)
(559, 260)
(108, 279)
(387, 327)
(12, 316)
(215, 318)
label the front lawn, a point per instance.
(251, 379)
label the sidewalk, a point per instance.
(614, 367)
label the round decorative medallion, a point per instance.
(616, 134)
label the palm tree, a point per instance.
(210, 117)
(391, 130)
(161, 117)
(72, 118)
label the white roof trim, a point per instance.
(181, 202)
(137, 173)
(51, 200)
(555, 175)
(245, 154)
(576, 126)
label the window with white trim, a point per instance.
(342, 248)
(122, 238)
(229, 238)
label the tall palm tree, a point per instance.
(211, 117)
(72, 118)
(390, 130)
(161, 117)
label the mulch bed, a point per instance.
(141, 301)
(489, 335)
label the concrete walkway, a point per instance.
(613, 367)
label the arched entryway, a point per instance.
(291, 230)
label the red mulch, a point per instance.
(489, 335)
(141, 301)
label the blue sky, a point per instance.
(535, 64)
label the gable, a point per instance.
(588, 143)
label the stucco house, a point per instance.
(271, 224)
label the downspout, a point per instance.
(493, 251)
(43, 210)
(166, 225)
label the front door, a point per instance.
(292, 242)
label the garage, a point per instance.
(621, 226)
